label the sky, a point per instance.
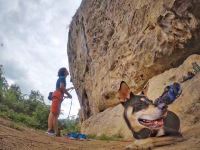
(33, 44)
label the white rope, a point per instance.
(69, 107)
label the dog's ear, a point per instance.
(124, 91)
(123, 84)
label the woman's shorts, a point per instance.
(56, 102)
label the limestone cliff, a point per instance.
(131, 40)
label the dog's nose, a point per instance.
(162, 106)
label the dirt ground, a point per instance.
(16, 137)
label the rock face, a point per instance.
(187, 106)
(133, 40)
(109, 122)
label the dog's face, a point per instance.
(140, 112)
(142, 115)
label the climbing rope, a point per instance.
(70, 106)
(70, 109)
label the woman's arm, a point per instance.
(71, 88)
(68, 95)
(64, 90)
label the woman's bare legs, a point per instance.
(55, 123)
(50, 121)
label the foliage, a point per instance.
(30, 111)
(70, 125)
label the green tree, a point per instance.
(41, 116)
(36, 96)
(16, 91)
(70, 124)
(3, 83)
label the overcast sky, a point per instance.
(33, 41)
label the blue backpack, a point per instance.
(50, 96)
(174, 91)
(170, 94)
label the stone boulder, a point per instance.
(109, 122)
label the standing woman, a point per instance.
(57, 99)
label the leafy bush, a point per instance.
(40, 115)
(30, 111)
(70, 125)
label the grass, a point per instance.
(4, 115)
(105, 137)
(16, 126)
(12, 125)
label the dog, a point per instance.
(145, 119)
